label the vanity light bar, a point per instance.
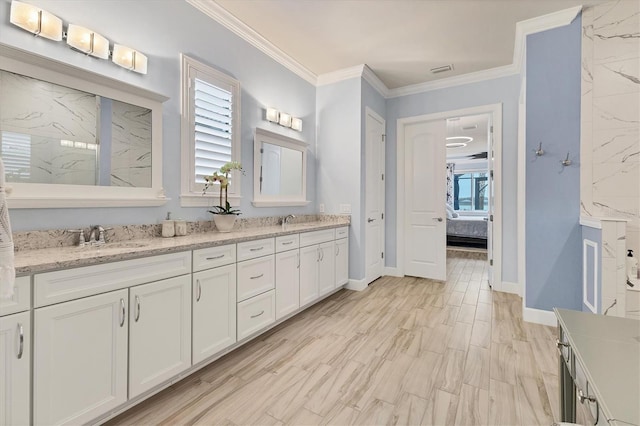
(284, 119)
(44, 24)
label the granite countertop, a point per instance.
(28, 262)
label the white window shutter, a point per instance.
(16, 155)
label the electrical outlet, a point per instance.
(345, 208)
(321, 207)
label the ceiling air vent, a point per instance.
(443, 68)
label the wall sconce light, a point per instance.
(44, 24)
(285, 119)
(273, 115)
(129, 58)
(87, 41)
(36, 21)
(296, 124)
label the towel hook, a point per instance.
(539, 152)
(566, 162)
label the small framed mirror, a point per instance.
(279, 170)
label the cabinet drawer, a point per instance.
(68, 284)
(317, 237)
(256, 313)
(21, 299)
(342, 232)
(253, 249)
(255, 276)
(213, 257)
(287, 242)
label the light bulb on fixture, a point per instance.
(129, 58)
(35, 20)
(87, 41)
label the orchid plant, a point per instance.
(222, 178)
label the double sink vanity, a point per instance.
(91, 332)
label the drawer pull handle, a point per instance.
(256, 316)
(215, 257)
(256, 277)
(287, 243)
(20, 341)
(337, 250)
(122, 312)
(199, 290)
(256, 249)
(137, 308)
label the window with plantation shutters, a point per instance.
(210, 130)
(16, 155)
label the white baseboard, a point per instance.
(539, 316)
(357, 285)
(392, 271)
(509, 287)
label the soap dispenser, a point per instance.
(632, 266)
(168, 227)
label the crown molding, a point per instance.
(523, 29)
(233, 24)
(340, 75)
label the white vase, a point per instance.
(224, 222)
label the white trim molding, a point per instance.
(391, 271)
(357, 285)
(513, 288)
(539, 316)
(236, 26)
(586, 243)
(523, 29)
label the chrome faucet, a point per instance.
(285, 220)
(97, 235)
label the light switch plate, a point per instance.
(321, 207)
(345, 208)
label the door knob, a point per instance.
(439, 219)
(370, 220)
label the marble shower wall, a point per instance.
(130, 145)
(610, 114)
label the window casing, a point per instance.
(210, 131)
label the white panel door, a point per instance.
(15, 369)
(160, 332)
(287, 282)
(342, 261)
(374, 197)
(327, 268)
(214, 311)
(309, 259)
(425, 198)
(80, 359)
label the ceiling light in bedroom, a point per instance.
(465, 139)
(456, 145)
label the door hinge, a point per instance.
(490, 218)
(491, 174)
(383, 137)
(382, 216)
(383, 176)
(261, 151)
(382, 255)
(491, 262)
(491, 129)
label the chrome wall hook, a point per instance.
(566, 162)
(539, 152)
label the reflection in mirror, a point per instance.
(279, 170)
(54, 134)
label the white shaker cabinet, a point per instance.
(214, 311)
(309, 259)
(15, 369)
(80, 359)
(342, 261)
(326, 268)
(287, 282)
(160, 332)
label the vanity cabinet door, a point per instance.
(287, 282)
(327, 268)
(160, 332)
(80, 359)
(214, 311)
(342, 262)
(15, 371)
(309, 259)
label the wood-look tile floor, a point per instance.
(405, 351)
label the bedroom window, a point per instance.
(210, 130)
(470, 192)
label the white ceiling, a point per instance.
(400, 40)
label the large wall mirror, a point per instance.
(71, 138)
(280, 170)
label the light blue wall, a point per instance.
(339, 160)
(553, 235)
(504, 90)
(594, 235)
(162, 30)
